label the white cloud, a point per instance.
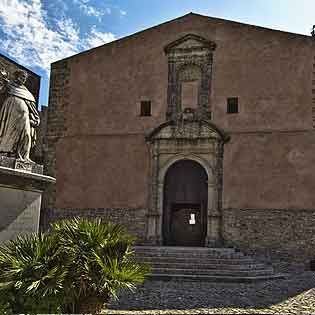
(68, 30)
(122, 12)
(33, 42)
(98, 38)
(91, 10)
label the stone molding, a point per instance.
(186, 54)
(201, 142)
(21, 165)
(24, 180)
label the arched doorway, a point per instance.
(185, 204)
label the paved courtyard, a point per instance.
(294, 295)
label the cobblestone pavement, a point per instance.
(294, 295)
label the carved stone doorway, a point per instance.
(185, 204)
(199, 142)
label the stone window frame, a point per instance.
(200, 55)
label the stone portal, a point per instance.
(185, 155)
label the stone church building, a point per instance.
(195, 132)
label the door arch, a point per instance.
(185, 201)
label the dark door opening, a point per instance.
(185, 204)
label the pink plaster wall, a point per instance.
(104, 162)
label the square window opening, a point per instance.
(232, 105)
(145, 109)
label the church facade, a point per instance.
(196, 132)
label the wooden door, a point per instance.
(185, 196)
(186, 225)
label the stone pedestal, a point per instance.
(21, 188)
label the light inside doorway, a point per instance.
(192, 219)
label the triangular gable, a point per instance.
(190, 41)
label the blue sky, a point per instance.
(37, 32)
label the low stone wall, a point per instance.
(133, 219)
(280, 236)
(284, 237)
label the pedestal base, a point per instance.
(20, 202)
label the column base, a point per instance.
(153, 241)
(215, 243)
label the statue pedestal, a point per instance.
(20, 198)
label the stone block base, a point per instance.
(133, 219)
(20, 202)
(282, 236)
(19, 211)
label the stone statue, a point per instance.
(18, 117)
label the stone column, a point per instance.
(213, 238)
(153, 236)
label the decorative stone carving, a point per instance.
(21, 180)
(188, 134)
(192, 139)
(189, 59)
(18, 117)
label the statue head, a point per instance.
(20, 76)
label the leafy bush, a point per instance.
(75, 268)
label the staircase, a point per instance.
(202, 263)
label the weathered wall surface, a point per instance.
(133, 219)
(270, 171)
(95, 135)
(277, 235)
(105, 170)
(269, 71)
(56, 126)
(268, 200)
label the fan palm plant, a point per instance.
(101, 261)
(75, 268)
(32, 267)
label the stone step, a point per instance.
(194, 260)
(221, 272)
(211, 278)
(187, 254)
(201, 265)
(184, 249)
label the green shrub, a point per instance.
(75, 268)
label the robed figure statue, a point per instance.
(18, 117)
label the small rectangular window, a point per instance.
(145, 109)
(232, 105)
